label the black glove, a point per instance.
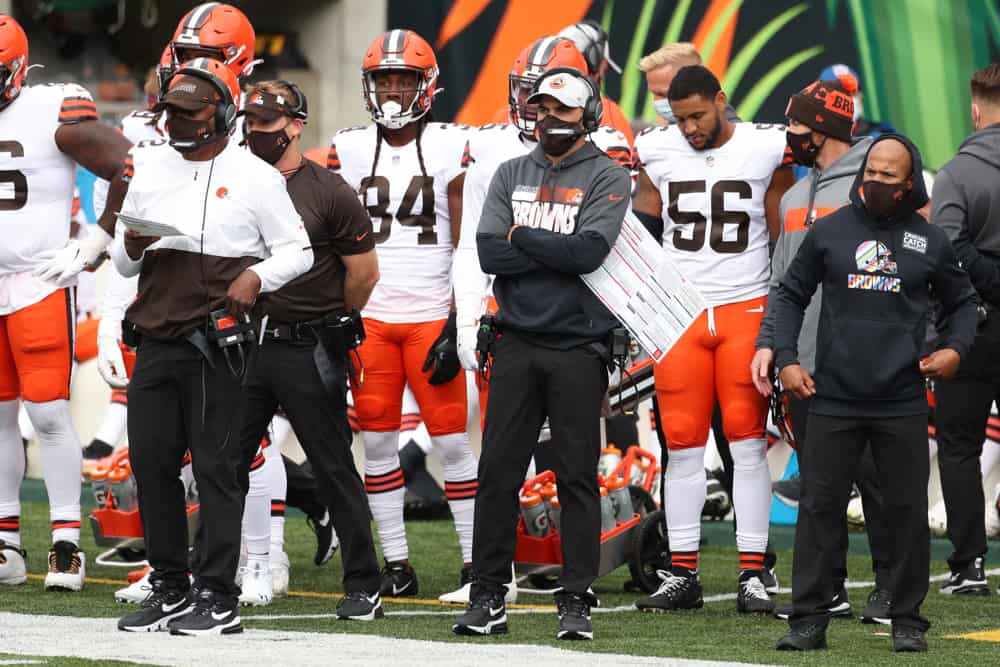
(443, 355)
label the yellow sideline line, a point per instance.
(985, 636)
(328, 596)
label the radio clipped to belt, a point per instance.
(234, 336)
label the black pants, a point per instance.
(178, 402)
(835, 445)
(962, 409)
(285, 374)
(303, 491)
(865, 476)
(529, 383)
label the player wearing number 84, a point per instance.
(705, 186)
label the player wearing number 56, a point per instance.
(706, 188)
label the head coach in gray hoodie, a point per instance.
(966, 205)
(549, 217)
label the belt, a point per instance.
(290, 331)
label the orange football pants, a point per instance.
(710, 362)
(393, 356)
(36, 350)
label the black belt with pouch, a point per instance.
(334, 334)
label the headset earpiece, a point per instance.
(301, 109)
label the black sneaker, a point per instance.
(751, 596)
(908, 640)
(210, 615)
(877, 610)
(675, 592)
(97, 449)
(486, 615)
(360, 606)
(804, 638)
(398, 580)
(574, 615)
(788, 490)
(769, 575)
(159, 608)
(840, 607)
(326, 539)
(970, 581)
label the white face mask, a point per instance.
(663, 110)
(390, 113)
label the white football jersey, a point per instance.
(410, 217)
(714, 227)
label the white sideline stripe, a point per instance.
(98, 639)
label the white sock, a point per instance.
(386, 489)
(280, 429)
(257, 517)
(112, 428)
(276, 481)
(685, 491)
(11, 473)
(61, 463)
(460, 485)
(990, 456)
(751, 494)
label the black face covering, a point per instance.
(188, 135)
(804, 150)
(557, 144)
(882, 199)
(268, 146)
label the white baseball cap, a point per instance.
(569, 89)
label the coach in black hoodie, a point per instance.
(877, 260)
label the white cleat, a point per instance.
(461, 595)
(256, 585)
(135, 593)
(12, 569)
(67, 568)
(279, 574)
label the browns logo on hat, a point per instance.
(267, 106)
(824, 106)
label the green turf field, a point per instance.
(715, 632)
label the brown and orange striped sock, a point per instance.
(684, 563)
(10, 530)
(750, 560)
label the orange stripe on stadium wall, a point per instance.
(461, 15)
(718, 62)
(523, 21)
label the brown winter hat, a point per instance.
(824, 106)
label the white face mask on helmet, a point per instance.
(390, 114)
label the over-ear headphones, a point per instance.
(225, 110)
(593, 110)
(301, 107)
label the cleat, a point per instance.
(574, 615)
(67, 567)
(486, 615)
(676, 592)
(159, 608)
(788, 490)
(326, 539)
(209, 615)
(359, 606)
(256, 585)
(279, 574)
(12, 568)
(137, 591)
(398, 580)
(752, 598)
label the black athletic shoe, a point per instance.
(840, 607)
(326, 539)
(485, 615)
(360, 606)
(574, 615)
(675, 592)
(788, 490)
(970, 581)
(769, 575)
(877, 610)
(805, 638)
(159, 608)
(398, 580)
(751, 596)
(210, 615)
(908, 640)
(97, 449)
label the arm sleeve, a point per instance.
(958, 301)
(799, 283)
(496, 254)
(77, 105)
(284, 235)
(126, 266)
(597, 227)
(949, 212)
(470, 283)
(119, 293)
(350, 224)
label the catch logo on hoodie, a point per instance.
(875, 259)
(546, 207)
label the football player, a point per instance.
(404, 168)
(45, 131)
(702, 187)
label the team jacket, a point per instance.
(876, 278)
(812, 197)
(234, 212)
(568, 216)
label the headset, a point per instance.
(301, 109)
(593, 109)
(225, 110)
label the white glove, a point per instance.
(62, 264)
(110, 363)
(467, 339)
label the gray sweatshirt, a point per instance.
(818, 194)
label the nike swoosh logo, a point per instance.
(615, 198)
(221, 617)
(170, 607)
(397, 591)
(758, 309)
(361, 237)
(496, 612)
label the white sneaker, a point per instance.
(279, 573)
(256, 584)
(135, 593)
(67, 567)
(12, 569)
(937, 520)
(461, 595)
